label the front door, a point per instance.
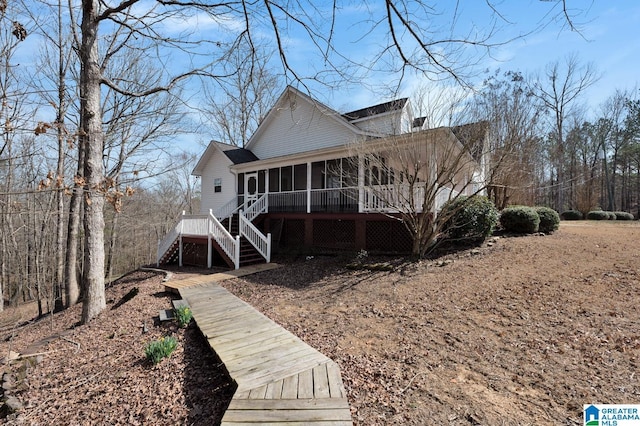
(251, 189)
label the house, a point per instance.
(312, 177)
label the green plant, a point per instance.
(623, 216)
(183, 316)
(520, 219)
(597, 215)
(158, 349)
(549, 219)
(469, 219)
(572, 215)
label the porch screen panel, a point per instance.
(334, 173)
(317, 175)
(349, 172)
(262, 181)
(240, 183)
(300, 177)
(274, 180)
(286, 178)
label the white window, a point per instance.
(217, 185)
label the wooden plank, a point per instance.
(211, 332)
(247, 347)
(179, 303)
(277, 423)
(257, 376)
(258, 393)
(290, 404)
(241, 395)
(261, 416)
(264, 360)
(320, 382)
(244, 337)
(336, 387)
(305, 384)
(290, 387)
(274, 390)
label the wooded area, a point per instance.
(90, 173)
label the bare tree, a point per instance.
(559, 90)
(235, 107)
(513, 114)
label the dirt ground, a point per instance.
(521, 332)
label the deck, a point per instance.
(280, 379)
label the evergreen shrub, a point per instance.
(471, 219)
(624, 216)
(572, 215)
(549, 219)
(597, 215)
(520, 220)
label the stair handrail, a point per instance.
(261, 242)
(225, 240)
(227, 210)
(165, 243)
(261, 205)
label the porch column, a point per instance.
(308, 187)
(360, 183)
(180, 253)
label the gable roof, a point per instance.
(382, 108)
(472, 136)
(289, 96)
(213, 147)
(240, 155)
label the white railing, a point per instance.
(261, 242)
(230, 245)
(227, 210)
(261, 205)
(195, 225)
(165, 244)
(334, 199)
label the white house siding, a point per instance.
(305, 128)
(217, 167)
(385, 124)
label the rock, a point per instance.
(475, 252)
(13, 404)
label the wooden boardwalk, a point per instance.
(281, 380)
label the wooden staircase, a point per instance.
(237, 239)
(248, 253)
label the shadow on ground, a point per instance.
(208, 387)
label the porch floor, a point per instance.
(280, 379)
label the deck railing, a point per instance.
(165, 244)
(229, 244)
(261, 242)
(261, 205)
(397, 198)
(203, 225)
(227, 210)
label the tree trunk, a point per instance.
(73, 229)
(93, 141)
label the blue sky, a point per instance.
(533, 34)
(531, 30)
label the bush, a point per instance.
(572, 215)
(623, 216)
(471, 219)
(158, 349)
(520, 219)
(183, 316)
(549, 219)
(597, 215)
